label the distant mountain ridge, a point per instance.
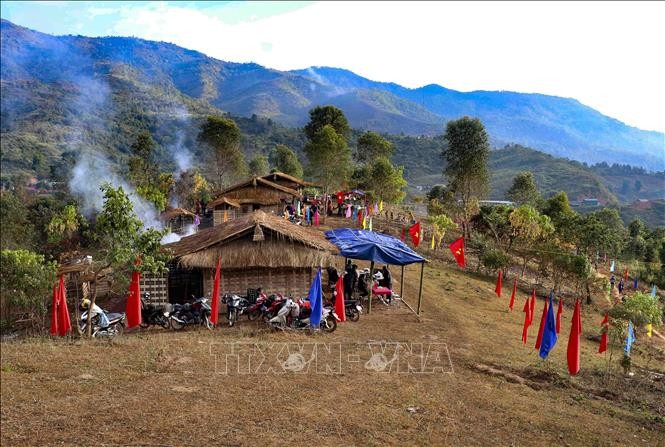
(138, 76)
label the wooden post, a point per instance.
(420, 293)
(401, 284)
(371, 284)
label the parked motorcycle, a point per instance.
(152, 315)
(256, 310)
(296, 315)
(103, 324)
(195, 313)
(352, 308)
(235, 306)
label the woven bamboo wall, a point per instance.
(156, 286)
(287, 281)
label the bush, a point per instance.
(640, 308)
(26, 280)
(494, 259)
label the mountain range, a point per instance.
(57, 90)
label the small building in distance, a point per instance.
(179, 220)
(257, 193)
(256, 249)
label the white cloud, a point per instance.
(607, 55)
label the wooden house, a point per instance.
(257, 249)
(257, 193)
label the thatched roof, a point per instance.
(170, 213)
(80, 264)
(254, 240)
(224, 200)
(254, 181)
(273, 176)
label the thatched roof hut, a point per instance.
(251, 195)
(255, 250)
(287, 180)
(177, 218)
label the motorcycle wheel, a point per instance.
(329, 324)
(176, 325)
(164, 322)
(353, 315)
(119, 328)
(144, 324)
(207, 323)
(233, 316)
(254, 315)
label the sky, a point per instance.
(607, 55)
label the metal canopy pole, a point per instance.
(371, 284)
(401, 284)
(420, 293)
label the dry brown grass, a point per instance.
(159, 387)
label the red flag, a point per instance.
(497, 289)
(512, 296)
(403, 236)
(54, 310)
(414, 231)
(133, 307)
(214, 306)
(542, 326)
(527, 322)
(574, 341)
(64, 323)
(558, 316)
(457, 248)
(625, 275)
(605, 327)
(339, 299)
(360, 217)
(532, 305)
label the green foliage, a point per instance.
(258, 166)
(17, 230)
(372, 146)
(524, 190)
(381, 180)
(494, 259)
(601, 231)
(640, 308)
(528, 225)
(190, 188)
(144, 172)
(286, 161)
(65, 224)
(495, 220)
(223, 136)
(322, 116)
(26, 279)
(465, 160)
(329, 159)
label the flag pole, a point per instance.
(420, 293)
(371, 286)
(401, 283)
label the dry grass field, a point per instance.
(161, 388)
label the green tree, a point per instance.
(26, 279)
(191, 188)
(223, 136)
(637, 244)
(258, 166)
(65, 226)
(381, 180)
(286, 161)
(329, 159)
(17, 229)
(465, 158)
(638, 185)
(529, 229)
(563, 217)
(120, 242)
(322, 116)
(144, 172)
(372, 146)
(601, 231)
(524, 190)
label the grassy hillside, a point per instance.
(166, 388)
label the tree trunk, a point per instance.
(588, 292)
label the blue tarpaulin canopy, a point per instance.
(370, 246)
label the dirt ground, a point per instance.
(479, 385)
